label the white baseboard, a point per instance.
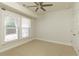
(76, 50)
(68, 44)
(5, 48)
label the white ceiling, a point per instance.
(56, 6)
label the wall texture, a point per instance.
(55, 26)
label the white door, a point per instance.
(75, 33)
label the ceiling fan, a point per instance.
(40, 5)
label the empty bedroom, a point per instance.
(39, 28)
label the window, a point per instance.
(25, 27)
(11, 29)
(14, 27)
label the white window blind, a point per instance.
(14, 27)
(25, 27)
(11, 28)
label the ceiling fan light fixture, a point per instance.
(40, 5)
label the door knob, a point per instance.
(74, 34)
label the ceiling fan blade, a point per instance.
(24, 5)
(40, 3)
(36, 3)
(43, 9)
(47, 5)
(31, 6)
(36, 9)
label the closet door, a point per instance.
(75, 35)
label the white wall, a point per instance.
(55, 26)
(33, 28)
(75, 41)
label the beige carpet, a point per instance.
(40, 48)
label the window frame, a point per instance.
(16, 28)
(6, 13)
(19, 26)
(26, 27)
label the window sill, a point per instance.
(13, 41)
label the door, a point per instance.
(75, 32)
